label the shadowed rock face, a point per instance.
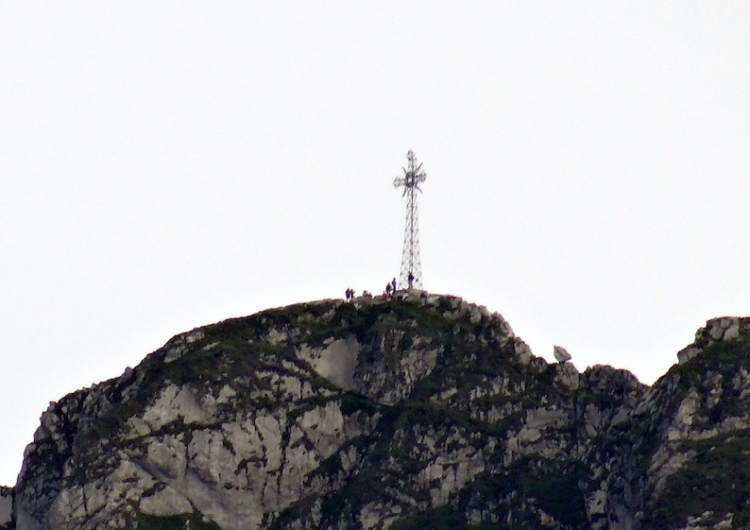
(418, 412)
(6, 508)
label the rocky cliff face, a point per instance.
(418, 412)
(6, 508)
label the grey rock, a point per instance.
(423, 410)
(561, 354)
(6, 508)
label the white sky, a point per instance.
(165, 165)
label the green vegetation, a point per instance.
(717, 480)
(522, 489)
(711, 370)
(724, 357)
(558, 493)
(229, 353)
(472, 360)
(550, 485)
(442, 518)
(188, 521)
(352, 403)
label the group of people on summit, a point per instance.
(390, 290)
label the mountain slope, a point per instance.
(416, 412)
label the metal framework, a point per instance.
(411, 268)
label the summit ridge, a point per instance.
(413, 411)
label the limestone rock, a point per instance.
(6, 508)
(561, 354)
(421, 411)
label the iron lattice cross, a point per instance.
(411, 268)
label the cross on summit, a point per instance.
(411, 268)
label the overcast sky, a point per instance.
(166, 165)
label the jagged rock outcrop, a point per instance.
(422, 411)
(6, 508)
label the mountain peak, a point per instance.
(410, 411)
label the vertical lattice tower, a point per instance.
(411, 268)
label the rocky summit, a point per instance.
(415, 412)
